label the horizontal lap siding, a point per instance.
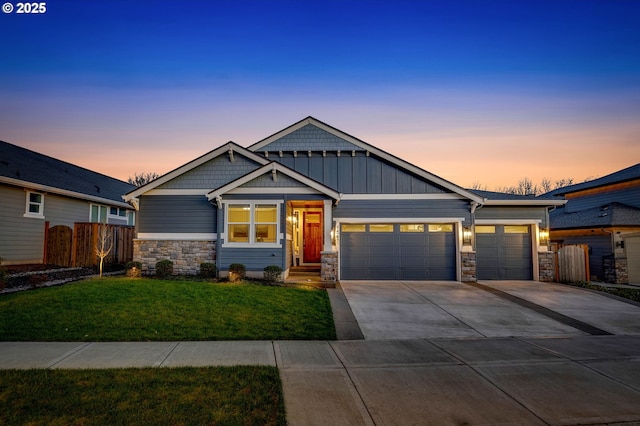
(629, 196)
(512, 212)
(402, 209)
(254, 259)
(21, 238)
(176, 214)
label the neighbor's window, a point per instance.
(98, 214)
(374, 227)
(441, 227)
(252, 223)
(412, 227)
(118, 211)
(35, 205)
(354, 227)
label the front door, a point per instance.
(312, 237)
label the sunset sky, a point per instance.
(475, 91)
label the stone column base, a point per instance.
(329, 268)
(615, 270)
(546, 268)
(468, 260)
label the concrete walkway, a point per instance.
(571, 380)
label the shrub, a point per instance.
(164, 268)
(237, 272)
(134, 269)
(208, 270)
(273, 273)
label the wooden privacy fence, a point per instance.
(572, 263)
(86, 238)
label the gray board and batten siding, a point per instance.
(358, 174)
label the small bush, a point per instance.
(134, 269)
(237, 272)
(208, 270)
(164, 268)
(273, 273)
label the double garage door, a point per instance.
(417, 251)
(423, 251)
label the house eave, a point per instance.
(60, 191)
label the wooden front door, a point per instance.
(312, 237)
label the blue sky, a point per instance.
(473, 91)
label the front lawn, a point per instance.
(180, 396)
(124, 309)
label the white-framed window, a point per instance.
(117, 212)
(34, 205)
(98, 214)
(131, 218)
(253, 223)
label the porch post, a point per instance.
(328, 221)
(329, 266)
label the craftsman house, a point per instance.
(39, 193)
(313, 195)
(605, 214)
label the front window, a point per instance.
(252, 223)
(98, 214)
(35, 205)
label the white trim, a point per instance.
(427, 220)
(254, 245)
(53, 190)
(28, 202)
(508, 221)
(546, 202)
(439, 196)
(222, 150)
(202, 192)
(369, 148)
(194, 236)
(281, 190)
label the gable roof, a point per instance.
(23, 167)
(274, 167)
(370, 148)
(229, 148)
(612, 214)
(630, 173)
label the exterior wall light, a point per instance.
(466, 236)
(543, 236)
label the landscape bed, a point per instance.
(134, 309)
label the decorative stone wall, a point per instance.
(615, 270)
(329, 268)
(468, 259)
(546, 268)
(186, 255)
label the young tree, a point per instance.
(142, 178)
(105, 244)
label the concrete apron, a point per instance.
(569, 380)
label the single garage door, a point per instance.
(503, 252)
(415, 251)
(632, 247)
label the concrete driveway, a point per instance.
(396, 310)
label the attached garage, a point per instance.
(388, 251)
(504, 252)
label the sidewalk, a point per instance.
(576, 380)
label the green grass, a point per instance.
(166, 396)
(124, 309)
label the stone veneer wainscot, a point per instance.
(186, 255)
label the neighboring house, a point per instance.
(38, 192)
(605, 214)
(314, 195)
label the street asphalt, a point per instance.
(440, 353)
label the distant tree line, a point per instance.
(526, 186)
(142, 178)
